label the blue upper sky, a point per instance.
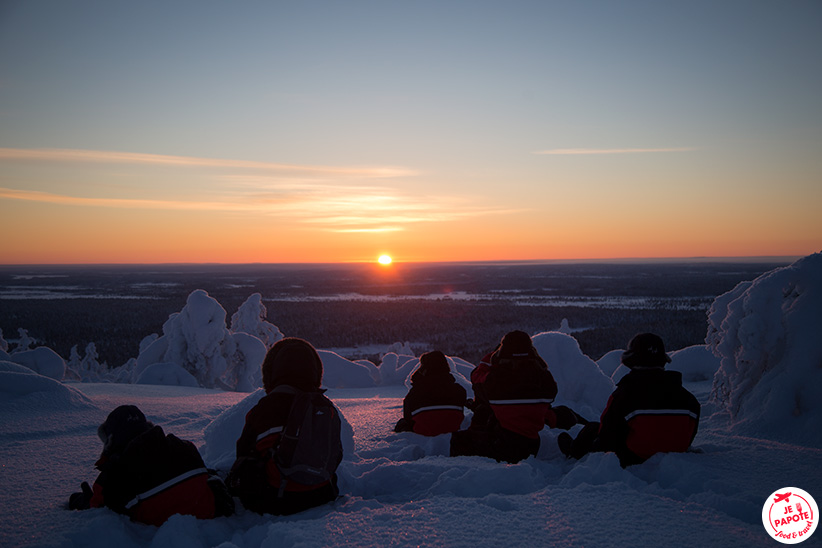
(508, 112)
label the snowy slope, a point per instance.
(401, 489)
(758, 434)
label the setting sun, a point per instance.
(384, 260)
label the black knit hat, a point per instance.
(294, 362)
(516, 344)
(645, 350)
(434, 363)
(121, 426)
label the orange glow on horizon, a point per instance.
(55, 234)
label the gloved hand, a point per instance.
(82, 499)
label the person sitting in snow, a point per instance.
(649, 412)
(434, 404)
(513, 391)
(292, 371)
(149, 475)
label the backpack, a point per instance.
(309, 449)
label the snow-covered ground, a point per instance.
(403, 489)
(758, 378)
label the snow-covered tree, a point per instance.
(394, 368)
(766, 335)
(196, 339)
(148, 340)
(400, 349)
(73, 365)
(25, 342)
(251, 318)
(91, 369)
(4, 346)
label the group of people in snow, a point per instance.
(290, 446)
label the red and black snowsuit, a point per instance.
(650, 412)
(156, 476)
(513, 391)
(254, 477)
(435, 403)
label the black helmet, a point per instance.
(645, 350)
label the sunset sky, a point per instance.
(155, 132)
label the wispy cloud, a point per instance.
(135, 158)
(130, 203)
(334, 199)
(587, 151)
(347, 209)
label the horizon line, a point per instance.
(673, 259)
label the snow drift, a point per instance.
(42, 360)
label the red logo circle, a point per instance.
(790, 515)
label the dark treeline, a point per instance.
(117, 306)
(461, 328)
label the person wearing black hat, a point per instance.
(435, 403)
(150, 476)
(649, 412)
(292, 370)
(513, 392)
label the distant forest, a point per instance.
(464, 328)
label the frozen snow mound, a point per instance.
(169, 374)
(42, 360)
(22, 387)
(581, 384)
(696, 363)
(610, 362)
(766, 336)
(7, 365)
(339, 372)
(220, 449)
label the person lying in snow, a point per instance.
(290, 446)
(513, 391)
(649, 412)
(150, 476)
(434, 404)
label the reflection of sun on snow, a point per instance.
(384, 260)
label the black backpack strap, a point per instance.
(283, 454)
